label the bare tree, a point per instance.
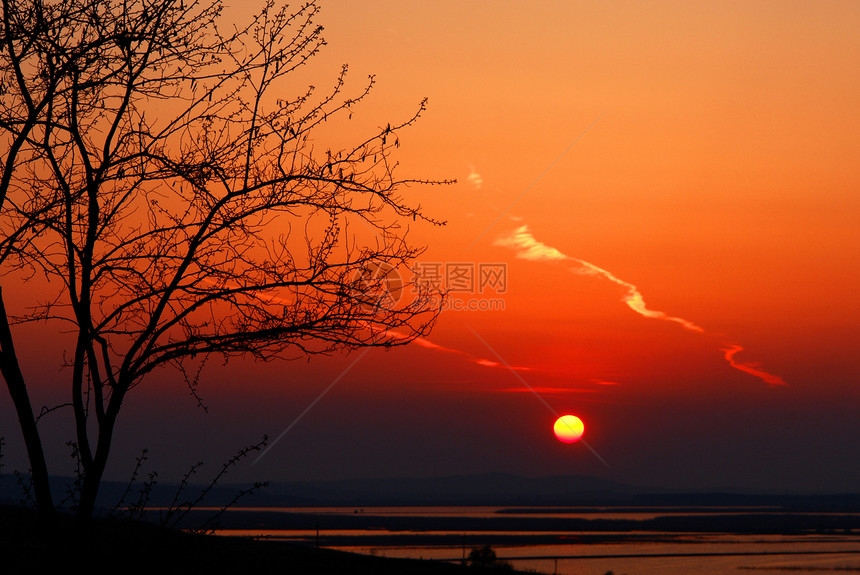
(179, 208)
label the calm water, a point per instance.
(491, 512)
(706, 555)
(632, 553)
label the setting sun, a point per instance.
(568, 428)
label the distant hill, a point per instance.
(482, 489)
(490, 489)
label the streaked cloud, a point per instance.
(527, 247)
(427, 344)
(751, 368)
(544, 390)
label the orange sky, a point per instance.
(723, 169)
(720, 179)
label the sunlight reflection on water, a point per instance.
(585, 553)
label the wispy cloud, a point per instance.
(545, 390)
(748, 367)
(474, 178)
(491, 363)
(427, 344)
(527, 247)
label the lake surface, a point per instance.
(530, 512)
(419, 532)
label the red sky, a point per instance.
(702, 155)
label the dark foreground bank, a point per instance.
(119, 546)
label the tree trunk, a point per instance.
(89, 492)
(93, 473)
(11, 371)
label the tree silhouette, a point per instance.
(155, 174)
